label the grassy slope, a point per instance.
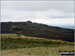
(32, 46)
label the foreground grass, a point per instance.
(24, 45)
(40, 51)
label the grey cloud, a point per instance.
(37, 0)
(48, 12)
(66, 6)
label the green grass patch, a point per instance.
(13, 42)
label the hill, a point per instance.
(38, 30)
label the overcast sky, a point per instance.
(56, 13)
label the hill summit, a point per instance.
(29, 28)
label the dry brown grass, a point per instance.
(38, 51)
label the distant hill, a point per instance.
(38, 30)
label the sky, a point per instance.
(54, 13)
